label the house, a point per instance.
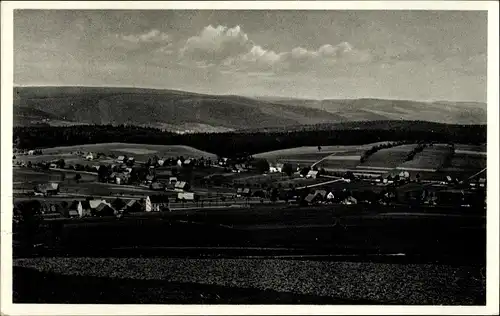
(120, 159)
(349, 200)
(31, 152)
(53, 166)
(104, 209)
(130, 160)
(172, 180)
(186, 196)
(132, 206)
(321, 193)
(157, 186)
(181, 186)
(187, 162)
(330, 197)
(482, 183)
(47, 189)
(161, 162)
(159, 203)
(148, 207)
(93, 204)
(310, 198)
(312, 174)
(90, 156)
(246, 192)
(150, 178)
(122, 178)
(118, 205)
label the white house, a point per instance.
(147, 205)
(312, 174)
(90, 156)
(330, 196)
(31, 152)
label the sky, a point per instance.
(412, 55)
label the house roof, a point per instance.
(310, 197)
(312, 172)
(121, 157)
(103, 206)
(180, 184)
(95, 203)
(157, 185)
(320, 192)
(131, 203)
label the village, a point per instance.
(165, 184)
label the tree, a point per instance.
(319, 148)
(77, 177)
(304, 171)
(29, 164)
(102, 173)
(287, 169)
(61, 163)
(262, 165)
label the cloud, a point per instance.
(233, 51)
(215, 44)
(153, 36)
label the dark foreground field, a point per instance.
(315, 255)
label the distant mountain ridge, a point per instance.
(187, 111)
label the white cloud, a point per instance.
(215, 44)
(153, 36)
(233, 51)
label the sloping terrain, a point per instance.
(155, 108)
(380, 109)
(187, 111)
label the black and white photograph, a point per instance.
(196, 155)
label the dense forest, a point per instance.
(237, 143)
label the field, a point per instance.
(388, 158)
(321, 255)
(140, 152)
(431, 158)
(311, 154)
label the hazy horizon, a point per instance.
(423, 56)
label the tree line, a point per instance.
(231, 144)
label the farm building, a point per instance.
(181, 186)
(312, 174)
(159, 203)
